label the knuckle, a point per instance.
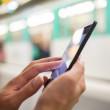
(79, 68)
(12, 82)
(32, 85)
(35, 67)
(83, 87)
(82, 68)
(32, 63)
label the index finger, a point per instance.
(35, 70)
(49, 59)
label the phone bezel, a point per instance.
(92, 26)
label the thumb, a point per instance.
(30, 89)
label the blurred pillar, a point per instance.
(108, 17)
(25, 35)
(56, 24)
(8, 37)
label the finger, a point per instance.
(30, 89)
(41, 67)
(77, 70)
(45, 79)
(82, 84)
(42, 61)
(80, 88)
(35, 70)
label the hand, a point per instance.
(63, 92)
(26, 84)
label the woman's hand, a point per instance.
(63, 92)
(26, 84)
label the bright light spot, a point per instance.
(3, 9)
(81, 8)
(23, 1)
(62, 13)
(43, 18)
(3, 29)
(17, 25)
(101, 3)
(77, 36)
(13, 5)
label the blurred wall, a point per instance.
(56, 33)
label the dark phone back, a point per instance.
(88, 29)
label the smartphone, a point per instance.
(73, 50)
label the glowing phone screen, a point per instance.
(71, 51)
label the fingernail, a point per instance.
(37, 81)
(57, 64)
(61, 62)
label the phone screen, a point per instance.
(71, 51)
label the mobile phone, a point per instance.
(73, 50)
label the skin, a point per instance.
(15, 92)
(62, 93)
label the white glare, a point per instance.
(17, 25)
(44, 18)
(13, 5)
(23, 1)
(101, 3)
(77, 36)
(3, 29)
(77, 9)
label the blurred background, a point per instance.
(34, 29)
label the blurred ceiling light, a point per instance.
(3, 9)
(23, 1)
(63, 13)
(39, 19)
(13, 5)
(17, 25)
(77, 9)
(3, 29)
(101, 3)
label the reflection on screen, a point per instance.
(70, 52)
